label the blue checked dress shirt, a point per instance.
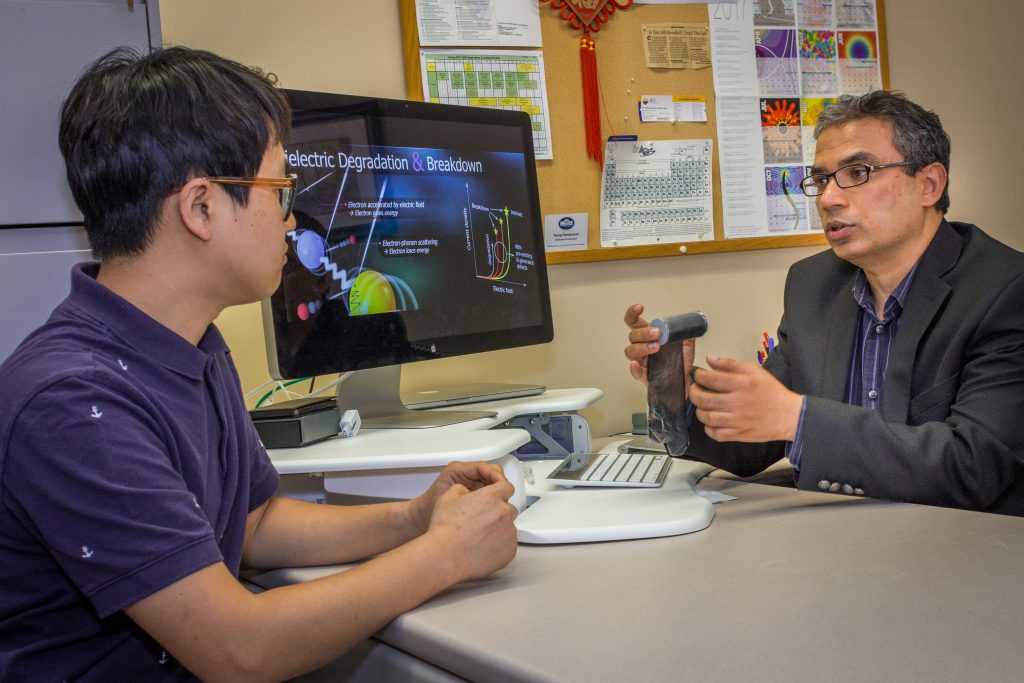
(865, 385)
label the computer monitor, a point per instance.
(418, 236)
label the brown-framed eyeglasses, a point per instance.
(285, 188)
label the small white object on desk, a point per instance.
(513, 470)
(349, 423)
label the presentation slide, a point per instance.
(440, 235)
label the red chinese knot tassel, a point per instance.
(591, 98)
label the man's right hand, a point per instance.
(478, 526)
(643, 343)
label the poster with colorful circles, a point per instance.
(858, 61)
(818, 73)
(780, 130)
(806, 54)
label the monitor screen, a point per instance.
(418, 235)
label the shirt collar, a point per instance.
(138, 330)
(893, 306)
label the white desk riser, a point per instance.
(379, 449)
(401, 463)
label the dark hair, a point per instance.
(917, 133)
(137, 127)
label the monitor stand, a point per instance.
(376, 394)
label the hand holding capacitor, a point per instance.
(667, 381)
(648, 338)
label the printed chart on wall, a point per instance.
(777, 65)
(656, 191)
(510, 79)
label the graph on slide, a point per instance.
(492, 231)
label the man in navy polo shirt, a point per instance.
(133, 486)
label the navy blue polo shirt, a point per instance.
(127, 462)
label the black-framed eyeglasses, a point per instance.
(847, 176)
(285, 188)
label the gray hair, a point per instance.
(917, 133)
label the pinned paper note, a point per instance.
(565, 231)
(677, 46)
(672, 108)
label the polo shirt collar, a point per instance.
(138, 330)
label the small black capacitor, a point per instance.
(682, 326)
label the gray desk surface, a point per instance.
(784, 585)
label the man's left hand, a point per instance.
(472, 475)
(741, 401)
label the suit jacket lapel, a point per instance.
(840, 324)
(927, 294)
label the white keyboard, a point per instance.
(612, 469)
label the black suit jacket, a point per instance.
(950, 430)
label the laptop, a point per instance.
(461, 394)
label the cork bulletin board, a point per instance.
(570, 182)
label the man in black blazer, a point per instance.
(899, 372)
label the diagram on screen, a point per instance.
(326, 250)
(496, 254)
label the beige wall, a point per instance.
(948, 55)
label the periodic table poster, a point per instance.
(777, 64)
(656, 191)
